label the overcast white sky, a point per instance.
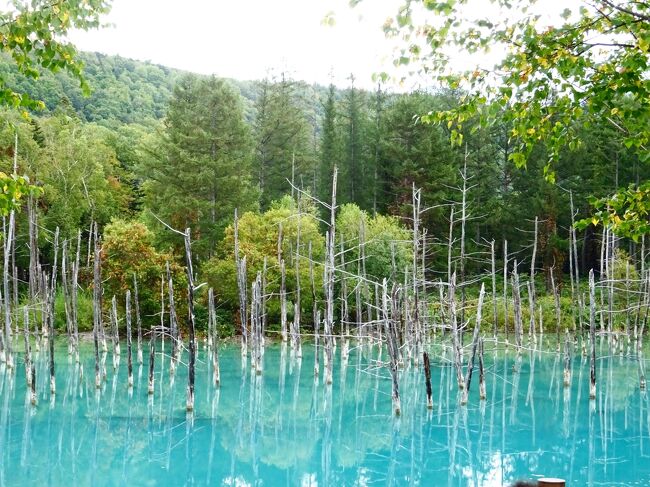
(244, 38)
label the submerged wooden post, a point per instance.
(427, 379)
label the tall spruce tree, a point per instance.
(198, 169)
(354, 177)
(330, 145)
(284, 141)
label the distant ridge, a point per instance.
(129, 91)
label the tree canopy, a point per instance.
(552, 81)
(33, 34)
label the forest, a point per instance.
(152, 143)
(244, 240)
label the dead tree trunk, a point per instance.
(173, 323)
(50, 310)
(495, 311)
(138, 319)
(516, 296)
(475, 343)
(190, 321)
(240, 265)
(391, 341)
(283, 288)
(74, 297)
(115, 334)
(256, 324)
(558, 310)
(8, 242)
(454, 332)
(592, 335)
(28, 351)
(214, 338)
(129, 357)
(505, 289)
(427, 379)
(97, 306)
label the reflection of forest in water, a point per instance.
(287, 429)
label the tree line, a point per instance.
(211, 150)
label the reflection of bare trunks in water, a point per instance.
(522, 483)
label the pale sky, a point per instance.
(243, 39)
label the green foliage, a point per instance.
(354, 171)
(14, 188)
(411, 152)
(284, 143)
(258, 240)
(198, 171)
(135, 92)
(548, 316)
(627, 211)
(80, 175)
(84, 312)
(331, 149)
(552, 82)
(33, 34)
(128, 251)
(384, 241)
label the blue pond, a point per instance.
(285, 428)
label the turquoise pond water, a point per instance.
(283, 428)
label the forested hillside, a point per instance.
(152, 143)
(126, 90)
